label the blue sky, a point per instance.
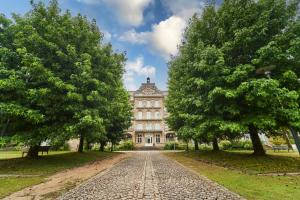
(148, 30)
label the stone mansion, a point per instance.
(149, 128)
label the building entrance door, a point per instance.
(149, 141)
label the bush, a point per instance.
(242, 144)
(178, 146)
(4, 141)
(125, 145)
(225, 144)
(205, 147)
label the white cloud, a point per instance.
(137, 68)
(133, 37)
(163, 38)
(166, 36)
(183, 9)
(129, 12)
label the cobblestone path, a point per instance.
(149, 175)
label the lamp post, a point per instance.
(294, 133)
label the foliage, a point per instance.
(126, 145)
(237, 71)
(225, 144)
(59, 79)
(178, 146)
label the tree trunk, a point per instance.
(196, 145)
(102, 145)
(257, 145)
(33, 151)
(296, 138)
(215, 144)
(80, 147)
(287, 139)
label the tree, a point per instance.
(57, 77)
(222, 65)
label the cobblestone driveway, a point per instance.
(148, 175)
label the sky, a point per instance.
(149, 31)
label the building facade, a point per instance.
(149, 128)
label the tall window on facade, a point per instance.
(157, 127)
(144, 103)
(148, 115)
(157, 139)
(149, 127)
(148, 104)
(157, 115)
(139, 127)
(156, 104)
(140, 115)
(139, 139)
(140, 104)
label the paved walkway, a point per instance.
(148, 175)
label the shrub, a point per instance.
(125, 145)
(225, 144)
(242, 144)
(178, 146)
(205, 147)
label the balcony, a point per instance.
(148, 130)
(148, 119)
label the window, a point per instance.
(157, 115)
(152, 104)
(157, 127)
(139, 127)
(140, 104)
(140, 115)
(148, 104)
(139, 139)
(148, 115)
(149, 127)
(157, 139)
(144, 103)
(156, 104)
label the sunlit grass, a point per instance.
(237, 171)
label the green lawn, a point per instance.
(238, 171)
(44, 166)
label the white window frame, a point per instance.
(157, 104)
(157, 115)
(148, 115)
(157, 138)
(139, 138)
(140, 115)
(157, 127)
(139, 127)
(140, 104)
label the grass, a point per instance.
(238, 171)
(41, 168)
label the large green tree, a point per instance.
(220, 72)
(57, 77)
